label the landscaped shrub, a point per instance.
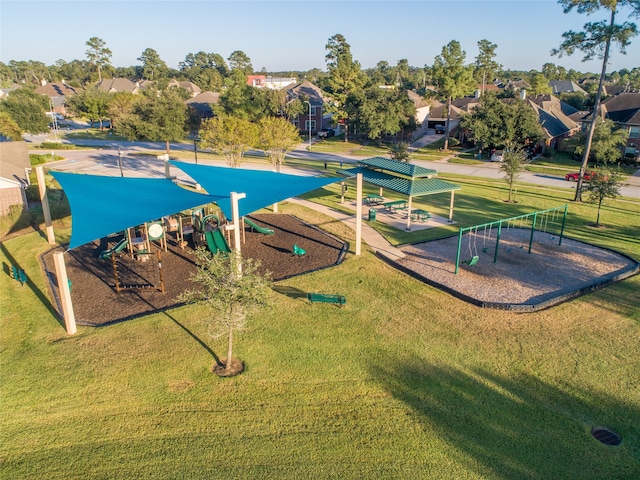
(57, 145)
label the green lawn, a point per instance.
(403, 382)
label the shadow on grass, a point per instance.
(519, 426)
(42, 297)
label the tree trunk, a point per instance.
(446, 129)
(596, 108)
(166, 142)
(227, 366)
(598, 216)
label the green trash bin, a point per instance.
(372, 214)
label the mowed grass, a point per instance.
(403, 382)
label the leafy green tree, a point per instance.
(604, 183)
(452, 77)
(98, 54)
(153, 67)
(344, 77)
(92, 103)
(381, 111)
(276, 137)
(242, 100)
(230, 288)
(595, 40)
(400, 151)
(229, 136)
(157, 116)
(383, 74)
(239, 61)
(27, 109)
(607, 144)
(120, 106)
(9, 128)
(75, 72)
(209, 80)
(540, 84)
(512, 166)
(486, 67)
(498, 123)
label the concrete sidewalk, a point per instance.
(376, 241)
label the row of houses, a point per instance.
(559, 120)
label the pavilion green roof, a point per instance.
(398, 167)
(406, 186)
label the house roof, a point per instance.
(562, 86)
(418, 100)
(117, 85)
(202, 102)
(14, 159)
(623, 108)
(308, 89)
(554, 115)
(189, 86)
(58, 89)
(518, 84)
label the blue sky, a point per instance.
(291, 35)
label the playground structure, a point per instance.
(130, 273)
(526, 226)
(208, 233)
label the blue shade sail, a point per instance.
(263, 188)
(102, 205)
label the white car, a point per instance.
(497, 156)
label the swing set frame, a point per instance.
(473, 230)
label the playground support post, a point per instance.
(44, 199)
(235, 215)
(495, 253)
(358, 213)
(458, 252)
(533, 230)
(65, 293)
(451, 206)
(564, 221)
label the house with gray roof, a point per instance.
(565, 86)
(58, 93)
(113, 85)
(310, 121)
(624, 110)
(203, 102)
(555, 117)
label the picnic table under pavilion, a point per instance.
(405, 179)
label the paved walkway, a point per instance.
(376, 241)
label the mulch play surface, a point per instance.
(96, 302)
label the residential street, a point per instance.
(104, 161)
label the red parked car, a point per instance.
(573, 177)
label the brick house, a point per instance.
(310, 121)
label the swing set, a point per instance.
(539, 221)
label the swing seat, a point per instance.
(472, 261)
(298, 251)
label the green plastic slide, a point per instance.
(216, 242)
(258, 228)
(117, 248)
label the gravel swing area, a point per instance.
(519, 280)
